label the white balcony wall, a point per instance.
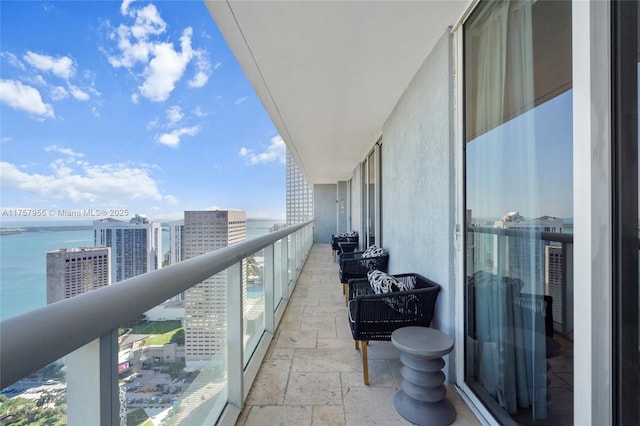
(418, 182)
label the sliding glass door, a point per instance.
(371, 196)
(518, 198)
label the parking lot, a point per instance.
(153, 389)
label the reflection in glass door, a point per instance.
(518, 198)
(626, 71)
(371, 194)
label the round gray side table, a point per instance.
(422, 395)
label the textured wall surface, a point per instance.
(418, 180)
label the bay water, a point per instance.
(23, 263)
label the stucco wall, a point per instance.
(418, 180)
(324, 212)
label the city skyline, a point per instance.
(134, 105)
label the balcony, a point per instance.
(288, 357)
(313, 375)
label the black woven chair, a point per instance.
(375, 316)
(336, 239)
(353, 265)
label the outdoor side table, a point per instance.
(422, 395)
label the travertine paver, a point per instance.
(312, 374)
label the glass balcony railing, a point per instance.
(552, 256)
(120, 366)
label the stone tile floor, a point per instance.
(312, 374)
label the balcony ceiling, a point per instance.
(330, 73)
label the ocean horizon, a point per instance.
(23, 268)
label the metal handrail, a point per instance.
(524, 233)
(37, 338)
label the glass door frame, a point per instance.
(468, 395)
(372, 156)
(593, 214)
(625, 215)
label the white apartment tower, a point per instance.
(73, 271)
(136, 246)
(176, 235)
(524, 256)
(206, 303)
(553, 278)
(299, 194)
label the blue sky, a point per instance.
(130, 105)
(501, 176)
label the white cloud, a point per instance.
(25, 98)
(153, 124)
(37, 79)
(125, 5)
(199, 80)
(62, 67)
(166, 68)
(162, 65)
(59, 93)
(12, 59)
(65, 151)
(135, 99)
(203, 69)
(217, 65)
(171, 199)
(276, 151)
(78, 93)
(174, 114)
(133, 41)
(197, 111)
(240, 100)
(148, 22)
(79, 181)
(172, 139)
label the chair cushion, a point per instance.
(346, 235)
(381, 282)
(373, 251)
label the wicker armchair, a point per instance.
(354, 265)
(336, 239)
(375, 316)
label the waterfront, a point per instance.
(23, 261)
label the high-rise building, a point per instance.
(136, 246)
(176, 235)
(176, 251)
(525, 254)
(206, 303)
(299, 194)
(73, 271)
(553, 278)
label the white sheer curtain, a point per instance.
(510, 362)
